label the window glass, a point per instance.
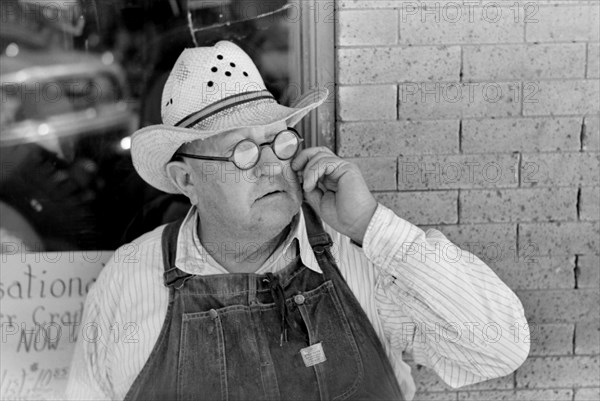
(78, 78)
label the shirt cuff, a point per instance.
(385, 235)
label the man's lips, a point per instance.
(271, 193)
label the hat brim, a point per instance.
(153, 147)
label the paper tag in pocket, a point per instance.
(313, 355)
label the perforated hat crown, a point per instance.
(209, 90)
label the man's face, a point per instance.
(261, 200)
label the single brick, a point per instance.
(504, 382)
(380, 173)
(560, 169)
(398, 64)
(392, 138)
(517, 395)
(563, 371)
(491, 243)
(589, 206)
(559, 2)
(556, 24)
(587, 338)
(551, 339)
(442, 396)
(550, 98)
(430, 207)
(591, 134)
(507, 62)
(367, 27)
(560, 238)
(457, 171)
(587, 394)
(437, 100)
(427, 380)
(532, 272)
(521, 204)
(367, 102)
(350, 4)
(593, 60)
(588, 271)
(560, 306)
(521, 135)
(455, 22)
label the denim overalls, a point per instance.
(249, 336)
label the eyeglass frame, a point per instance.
(259, 146)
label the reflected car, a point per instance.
(64, 144)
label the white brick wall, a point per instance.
(487, 115)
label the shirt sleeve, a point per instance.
(88, 378)
(443, 304)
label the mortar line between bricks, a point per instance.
(502, 152)
(556, 290)
(575, 272)
(519, 166)
(492, 155)
(507, 152)
(458, 206)
(460, 134)
(398, 102)
(574, 337)
(462, 64)
(488, 81)
(524, 25)
(522, 98)
(582, 134)
(474, 44)
(578, 204)
(517, 251)
(476, 118)
(396, 174)
(399, 26)
(585, 66)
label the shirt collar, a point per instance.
(193, 258)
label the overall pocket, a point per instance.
(218, 358)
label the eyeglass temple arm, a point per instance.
(226, 159)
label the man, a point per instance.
(252, 295)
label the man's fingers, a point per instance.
(318, 168)
(305, 155)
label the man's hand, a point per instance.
(336, 189)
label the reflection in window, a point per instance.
(77, 78)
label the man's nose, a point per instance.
(269, 163)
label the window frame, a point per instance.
(316, 67)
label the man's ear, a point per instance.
(180, 174)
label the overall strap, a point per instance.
(172, 274)
(321, 243)
(317, 237)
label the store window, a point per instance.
(78, 77)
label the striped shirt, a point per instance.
(423, 295)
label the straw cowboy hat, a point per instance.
(209, 91)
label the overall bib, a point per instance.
(292, 335)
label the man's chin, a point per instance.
(276, 211)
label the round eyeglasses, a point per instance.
(246, 153)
